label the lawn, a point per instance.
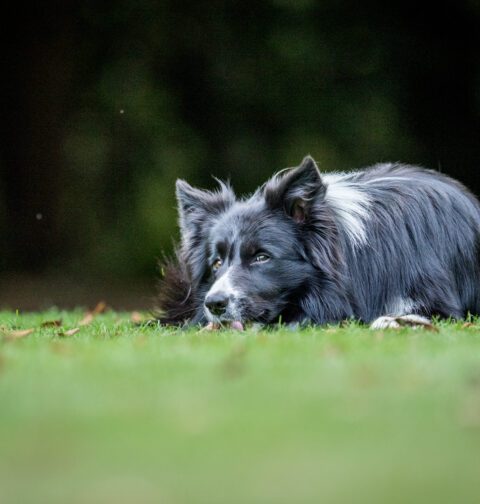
(135, 414)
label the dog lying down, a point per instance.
(388, 245)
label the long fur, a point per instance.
(391, 239)
(175, 304)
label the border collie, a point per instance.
(386, 245)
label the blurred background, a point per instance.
(105, 104)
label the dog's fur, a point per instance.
(387, 241)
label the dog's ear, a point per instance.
(295, 190)
(197, 210)
(196, 206)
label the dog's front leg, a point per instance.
(398, 321)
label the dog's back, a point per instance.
(410, 241)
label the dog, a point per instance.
(385, 245)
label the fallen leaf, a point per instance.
(87, 319)
(136, 317)
(51, 323)
(90, 315)
(18, 333)
(100, 308)
(467, 324)
(70, 332)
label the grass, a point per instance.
(123, 414)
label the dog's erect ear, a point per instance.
(196, 206)
(197, 210)
(295, 190)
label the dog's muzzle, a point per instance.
(217, 304)
(222, 307)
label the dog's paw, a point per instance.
(413, 321)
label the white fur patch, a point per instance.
(350, 204)
(411, 320)
(223, 284)
(400, 306)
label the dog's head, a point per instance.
(250, 259)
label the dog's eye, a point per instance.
(261, 258)
(216, 264)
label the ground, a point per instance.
(122, 413)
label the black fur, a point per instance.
(175, 301)
(390, 239)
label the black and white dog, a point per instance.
(383, 244)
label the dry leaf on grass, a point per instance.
(136, 317)
(87, 319)
(17, 333)
(90, 315)
(70, 332)
(51, 323)
(100, 308)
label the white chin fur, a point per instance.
(217, 320)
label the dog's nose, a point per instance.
(217, 303)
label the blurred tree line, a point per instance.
(105, 104)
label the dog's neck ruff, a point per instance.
(350, 205)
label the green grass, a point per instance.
(125, 414)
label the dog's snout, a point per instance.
(217, 303)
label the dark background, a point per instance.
(105, 104)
